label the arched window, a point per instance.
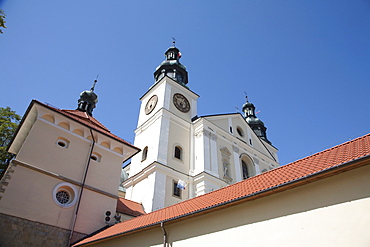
(247, 165)
(245, 170)
(178, 153)
(145, 154)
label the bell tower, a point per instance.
(184, 155)
(164, 135)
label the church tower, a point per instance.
(185, 155)
(163, 134)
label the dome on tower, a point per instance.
(172, 67)
(88, 100)
(254, 122)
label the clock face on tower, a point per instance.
(150, 105)
(181, 102)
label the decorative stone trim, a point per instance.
(235, 149)
(206, 133)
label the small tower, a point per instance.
(172, 67)
(88, 100)
(254, 122)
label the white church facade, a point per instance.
(193, 180)
(184, 155)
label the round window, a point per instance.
(65, 195)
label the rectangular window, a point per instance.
(176, 190)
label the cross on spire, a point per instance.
(246, 96)
(95, 81)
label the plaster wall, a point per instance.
(34, 198)
(41, 149)
(248, 139)
(91, 214)
(179, 135)
(105, 174)
(328, 212)
(34, 201)
(143, 191)
(170, 199)
(144, 139)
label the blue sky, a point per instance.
(304, 64)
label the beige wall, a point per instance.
(329, 212)
(29, 192)
(29, 195)
(40, 149)
(91, 215)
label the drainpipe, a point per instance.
(82, 188)
(164, 235)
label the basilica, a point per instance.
(185, 155)
(193, 180)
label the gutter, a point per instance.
(164, 234)
(82, 188)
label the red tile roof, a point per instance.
(319, 165)
(129, 207)
(86, 120)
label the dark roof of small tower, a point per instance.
(254, 122)
(172, 67)
(88, 100)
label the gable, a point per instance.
(235, 126)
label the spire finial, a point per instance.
(174, 42)
(95, 81)
(246, 96)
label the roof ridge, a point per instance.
(129, 200)
(87, 117)
(326, 150)
(90, 122)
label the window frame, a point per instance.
(176, 191)
(178, 154)
(144, 155)
(67, 188)
(249, 166)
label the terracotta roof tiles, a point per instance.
(294, 172)
(87, 120)
(129, 207)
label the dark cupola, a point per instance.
(88, 100)
(172, 67)
(254, 122)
